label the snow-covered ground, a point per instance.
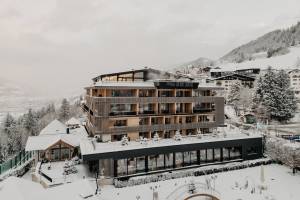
(56, 173)
(281, 184)
(241, 184)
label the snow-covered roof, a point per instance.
(147, 84)
(234, 74)
(54, 127)
(44, 141)
(73, 121)
(134, 84)
(89, 146)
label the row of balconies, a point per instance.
(144, 100)
(162, 112)
(157, 127)
(147, 93)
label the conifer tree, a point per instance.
(64, 112)
(234, 93)
(273, 92)
(30, 123)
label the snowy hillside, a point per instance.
(270, 41)
(279, 49)
(287, 61)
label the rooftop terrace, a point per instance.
(90, 146)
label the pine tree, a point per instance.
(9, 130)
(64, 112)
(30, 123)
(234, 93)
(275, 95)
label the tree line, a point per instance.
(15, 130)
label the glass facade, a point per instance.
(175, 160)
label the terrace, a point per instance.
(89, 146)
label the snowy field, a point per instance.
(281, 184)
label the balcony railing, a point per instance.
(122, 113)
(161, 127)
(203, 110)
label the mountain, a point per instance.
(279, 49)
(194, 67)
(274, 43)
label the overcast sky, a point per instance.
(58, 46)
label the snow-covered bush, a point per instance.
(156, 137)
(177, 136)
(124, 140)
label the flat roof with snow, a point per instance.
(148, 84)
(90, 149)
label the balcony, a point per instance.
(117, 113)
(203, 110)
(147, 112)
(156, 126)
(166, 112)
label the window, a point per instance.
(202, 155)
(65, 153)
(131, 165)
(140, 164)
(178, 159)
(122, 167)
(209, 155)
(217, 155)
(235, 153)
(225, 154)
(169, 160)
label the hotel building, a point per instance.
(149, 108)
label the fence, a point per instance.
(19, 159)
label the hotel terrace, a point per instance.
(144, 121)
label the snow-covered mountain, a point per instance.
(275, 42)
(279, 49)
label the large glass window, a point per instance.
(225, 154)
(187, 158)
(122, 167)
(235, 153)
(160, 161)
(169, 160)
(152, 163)
(140, 164)
(194, 157)
(131, 165)
(65, 153)
(209, 155)
(202, 155)
(178, 159)
(156, 162)
(217, 155)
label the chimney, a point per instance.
(68, 130)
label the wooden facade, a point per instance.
(58, 152)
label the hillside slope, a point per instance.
(276, 40)
(287, 61)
